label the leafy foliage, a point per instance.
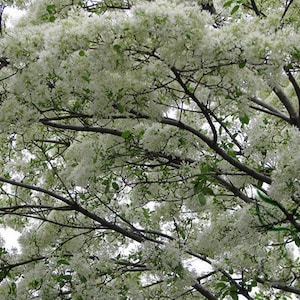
(150, 150)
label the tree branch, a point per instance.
(279, 286)
(200, 105)
(82, 128)
(218, 150)
(132, 235)
(204, 292)
(285, 118)
(287, 104)
(286, 10)
(236, 192)
(7, 268)
(270, 109)
(255, 8)
(297, 90)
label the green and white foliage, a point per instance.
(142, 140)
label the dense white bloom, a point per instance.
(138, 136)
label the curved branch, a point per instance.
(6, 268)
(236, 192)
(271, 113)
(286, 10)
(296, 88)
(255, 8)
(82, 128)
(234, 140)
(179, 124)
(269, 109)
(200, 105)
(204, 292)
(279, 286)
(218, 150)
(9, 209)
(132, 235)
(287, 104)
(241, 289)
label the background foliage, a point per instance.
(150, 150)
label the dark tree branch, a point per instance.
(67, 143)
(269, 109)
(286, 9)
(204, 110)
(240, 166)
(241, 290)
(2, 7)
(297, 90)
(132, 235)
(287, 104)
(83, 128)
(40, 208)
(236, 192)
(8, 267)
(44, 219)
(209, 6)
(255, 8)
(3, 60)
(234, 140)
(279, 286)
(283, 117)
(204, 292)
(178, 160)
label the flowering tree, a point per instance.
(150, 150)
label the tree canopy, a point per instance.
(150, 150)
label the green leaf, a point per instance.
(232, 153)
(198, 186)
(244, 119)
(257, 209)
(260, 183)
(66, 277)
(278, 229)
(50, 8)
(82, 278)
(221, 285)
(2, 251)
(242, 64)
(207, 191)
(181, 231)
(120, 108)
(228, 3)
(126, 134)
(106, 182)
(266, 199)
(235, 9)
(201, 199)
(182, 142)
(115, 186)
(297, 241)
(62, 262)
(85, 78)
(52, 18)
(266, 120)
(117, 48)
(6, 175)
(81, 53)
(234, 295)
(146, 213)
(296, 52)
(13, 289)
